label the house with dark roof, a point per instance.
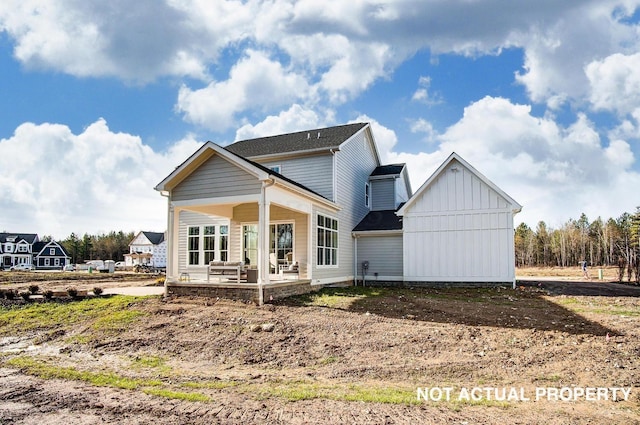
(26, 248)
(49, 256)
(321, 204)
(148, 248)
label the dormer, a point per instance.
(388, 187)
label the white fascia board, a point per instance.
(206, 150)
(365, 233)
(305, 193)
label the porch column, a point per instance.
(263, 240)
(170, 245)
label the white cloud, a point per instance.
(98, 180)
(289, 121)
(256, 82)
(555, 173)
(615, 83)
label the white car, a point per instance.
(120, 265)
(22, 267)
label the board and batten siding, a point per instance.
(216, 177)
(384, 254)
(354, 163)
(383, 194)
(459, 229)
(313, 172)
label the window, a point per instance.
(22, 248)
(209, 244)
(366, 194)
(194, 246)
(327, 241)
(224, 243)
(52, 251)
(46, 262)
(56, 262)
(275, 168)
(250, 243)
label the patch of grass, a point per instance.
(110, 314)
(296, 391)
(211, 385)
(33, 366)
(550, 378)
(329, 360)
(177, 395)
(338, 297)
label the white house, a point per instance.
(148, 248)
(322, 199)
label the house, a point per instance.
(49, 256)
(26, 248)
(16, 248)
(322, 199)
(148, 248)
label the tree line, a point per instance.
(614, 242)
(109, 246)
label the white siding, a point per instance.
(383, 194)
(384, 254)
(314, 172)
(459, 229)
(216, 177)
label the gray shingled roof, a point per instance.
(379, 220)
(322, 138)
(385, 170)
(29, 237)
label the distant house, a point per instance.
(49, 256)
(26, 248)
(148, 248)
(322, 200)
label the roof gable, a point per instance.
(453, 164)
(321, 139)
(41, 249)
(30, 238)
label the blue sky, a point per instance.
(100, 100)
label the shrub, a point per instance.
(34, 289)
(2, 291)
(48, 294)
(160, 281)
(26, 295)
(10, 294)
(97, 291)
(73, 292)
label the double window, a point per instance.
(327, 229)
(207, 243)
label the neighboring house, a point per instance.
(148, 248)
(16, 248)
(49, 256)
(322, 199)
(26, 248)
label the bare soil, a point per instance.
(545, 333)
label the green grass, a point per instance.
(33, 366)
(296, 391)
(338, 297)
(108, 314)
(211, 385)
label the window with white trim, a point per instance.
(224, 243)
(275, 168)
(366, 194)
(193, 246)
(327, 241)
(52, 251)
(209, 244)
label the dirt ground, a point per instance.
(325, 359)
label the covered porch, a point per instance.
(229, 212)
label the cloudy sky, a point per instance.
(101, 100)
